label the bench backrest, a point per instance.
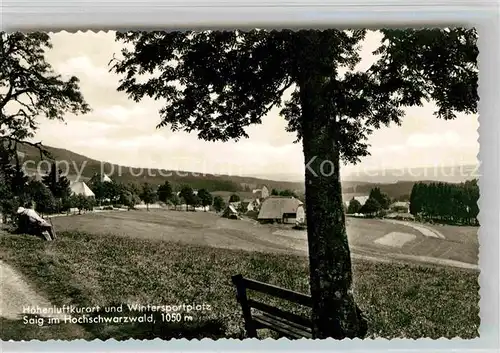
(242, 284)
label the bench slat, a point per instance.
(293, 318)
(279, 292)
(279, 325)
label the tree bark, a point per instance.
(335, 313)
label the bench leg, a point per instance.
(251, 330)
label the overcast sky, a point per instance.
(123, 132)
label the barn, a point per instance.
(288, 210)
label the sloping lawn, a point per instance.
(82, 269)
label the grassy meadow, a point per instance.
(406, 301)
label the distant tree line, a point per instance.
(285, 193)
(376, 203)
(447, 203)
(51, 194)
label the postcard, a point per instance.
(239, 184)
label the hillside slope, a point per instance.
(76, 164)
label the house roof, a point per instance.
(106, 178)
(274, 207)
(80, 188)
(360, 199)
(231, 209)
(400, 204)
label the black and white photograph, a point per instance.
(239, 184)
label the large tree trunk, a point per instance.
(335, 313)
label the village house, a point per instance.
(230, 212)
(400, 207)
(361, 199)
(261, 193)
(80, 188)
(248, 205)
(287, 210)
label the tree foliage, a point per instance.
(148, 194)
(40, 194)
(30, 88)
(234, 198)
(219, 83)
(218, 203)
(57, 183)
(187, 195)
(284, 193)
(164, 192)
(82, 202)
(382, 198)
(175, 201)
(354, 206)
(205, 197)
(371, 207)
(447, 203)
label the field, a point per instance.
(207, 229)
(174, 257)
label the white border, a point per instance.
(187, 14)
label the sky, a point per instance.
(121, 131)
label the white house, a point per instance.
(261, 193)
(80, 188)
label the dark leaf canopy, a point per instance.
(431, 64)
(218, 83)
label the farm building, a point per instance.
(248, 205)
(261, 193)
(235, 204)
(282, 209)
(80, 188)
(230, 212)
(400, 207)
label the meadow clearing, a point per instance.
(174, 257)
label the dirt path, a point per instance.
(16, 294)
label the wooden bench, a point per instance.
(285, 323)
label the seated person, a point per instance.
(34, 220)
